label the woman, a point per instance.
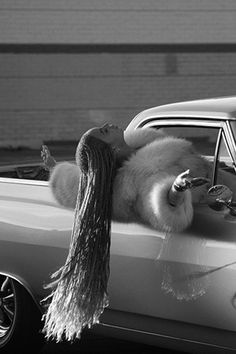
(137, 177)
(153, 170)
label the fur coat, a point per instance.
(142, 184)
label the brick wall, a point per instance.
(117, 21)
(59, 96)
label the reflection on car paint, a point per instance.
(190, 280)
(184, 281)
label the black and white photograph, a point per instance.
(118, 176)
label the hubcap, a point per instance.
(7, 305)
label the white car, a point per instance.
(171, 290)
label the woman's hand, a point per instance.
(48, 160)
(183, 182)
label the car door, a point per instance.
(188, 276)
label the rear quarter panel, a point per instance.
(34, 233)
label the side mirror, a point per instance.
(219, 197)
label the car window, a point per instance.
(203, 138)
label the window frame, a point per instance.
(222, 137)
(223, 127)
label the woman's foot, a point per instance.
(48, 160)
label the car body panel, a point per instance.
(166, 333)
(176, 276)
(141, 258)
(187, 278)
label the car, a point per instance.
(174, 290)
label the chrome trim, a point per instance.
(230, 135)
(24, 181)
(138, 120)
(165, 336)
(190, 114)
(228, 146)
(195, 123)
(216, 155)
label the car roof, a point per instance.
(214, 108)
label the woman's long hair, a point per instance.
(81, 284)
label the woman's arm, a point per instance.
(183, 182)
(48, 160)
(168, 206)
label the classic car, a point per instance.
(172, 290)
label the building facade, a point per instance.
(68, 65)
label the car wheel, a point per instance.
(20, 319)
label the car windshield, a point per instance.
(25, 162)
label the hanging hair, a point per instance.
(81, 284)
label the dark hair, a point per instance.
(81, 293)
